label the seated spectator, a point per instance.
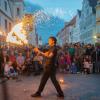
(9, 71)
(73, 67)
(20, 63)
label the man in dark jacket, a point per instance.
(49, 68)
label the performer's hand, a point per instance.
(46, 54)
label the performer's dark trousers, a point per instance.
(49, 73)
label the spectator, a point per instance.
(62, 63)
(9, 71)
(3, 59)
(20, 63)
(12, 58)
(87, 65)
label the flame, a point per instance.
(17, 35)
(61, 80)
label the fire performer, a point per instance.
(49, 68)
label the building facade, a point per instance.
(75, 31)
(64, 36)
(6, 18)
(17, 9)
(9, 9)
(88, 21)
(84, 27)
(97, 29)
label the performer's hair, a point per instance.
(54, 39)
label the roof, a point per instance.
(72, 22)
(79, 12)
(18, 0)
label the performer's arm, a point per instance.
(46, 54)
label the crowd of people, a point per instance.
(79, 58)
(19, 60)
(71, 58)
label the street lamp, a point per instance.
(95, 37)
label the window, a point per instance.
(5, 24)
(9, 27)
(0, 20)
(5, 5)
(0, 2)
(18, 11)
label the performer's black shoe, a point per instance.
(60, 95)
(36, 95)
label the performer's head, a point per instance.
(52, 41)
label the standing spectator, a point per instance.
(88, 50)
(93, 58)
(79, 53)
(37, 63)
(72, 51)
(98, 59)
(28, 62)
(12, 59)
(68, 60)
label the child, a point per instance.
(73, 68)
(68, 60)
(9, 70)
(87, 65)
(62, 63)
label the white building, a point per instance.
(17, 10)
(75, 31)
(6, 18)
(64, 35)
(11, 13)
(9, 9)
(88, 21)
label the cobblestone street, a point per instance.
(75, 87)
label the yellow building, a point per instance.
(97, 31)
